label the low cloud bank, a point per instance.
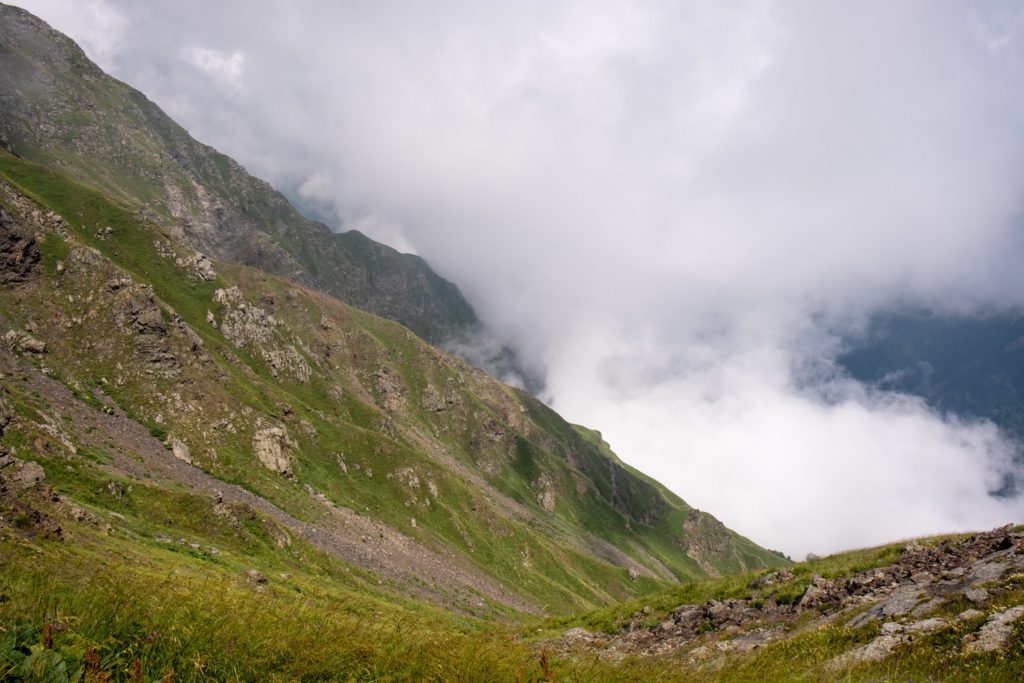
(660, 205)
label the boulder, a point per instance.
(180, 450)
(996, 632)
(271, 447)
(255, 576)
(23, 342)
(771, 579)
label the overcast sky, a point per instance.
(657, 203)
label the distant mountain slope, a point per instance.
(968, 366)
(58, 108)
(338, 427)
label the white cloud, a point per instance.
(655, 202)
(782, 466)
(224, 67)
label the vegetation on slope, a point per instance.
(115, 603)
(365, 423)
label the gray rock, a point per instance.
(926, 608)
(24, 342)
(271, 447)
(180, 450)
(255, 576)
(969, 614)
(986, 571)
(771, 579)
(893, 635)
(976, 595)
(689, 616)
(577, 635)
(925, 626)
(21, 474)
(901, 601)
(6, 415)
(995, 634)
(19, 253)
(815, 593)
(199, 265)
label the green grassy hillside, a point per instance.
(337, 418)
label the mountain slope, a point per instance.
(347, 429)
(58, 108)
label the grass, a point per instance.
(136, 623)
(132, 612)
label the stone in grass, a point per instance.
(995, 633)
(255, 576)
(180, 450)
(892, 636)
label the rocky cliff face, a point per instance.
(59, 108)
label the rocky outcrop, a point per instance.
(892, 636)
(706, 540)
(242, 323)
(23, 342)
(995, 634)
(545, 491)
(271, 446)
(901, 596)
(17, 474)
(180, 450)
(198, 265)
(286, 360)
(249, 326)
(6, 415)
(137, 313)
(390, 389)
(19, 253)
(26, 501)
(437, 401)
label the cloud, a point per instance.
(658, 204)
(788, 467)
(224, 67)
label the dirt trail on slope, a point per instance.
(342, 533)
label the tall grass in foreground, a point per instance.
(67, 616)
(127, 624)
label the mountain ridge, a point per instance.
(59, 108)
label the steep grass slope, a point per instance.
(347, 429)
